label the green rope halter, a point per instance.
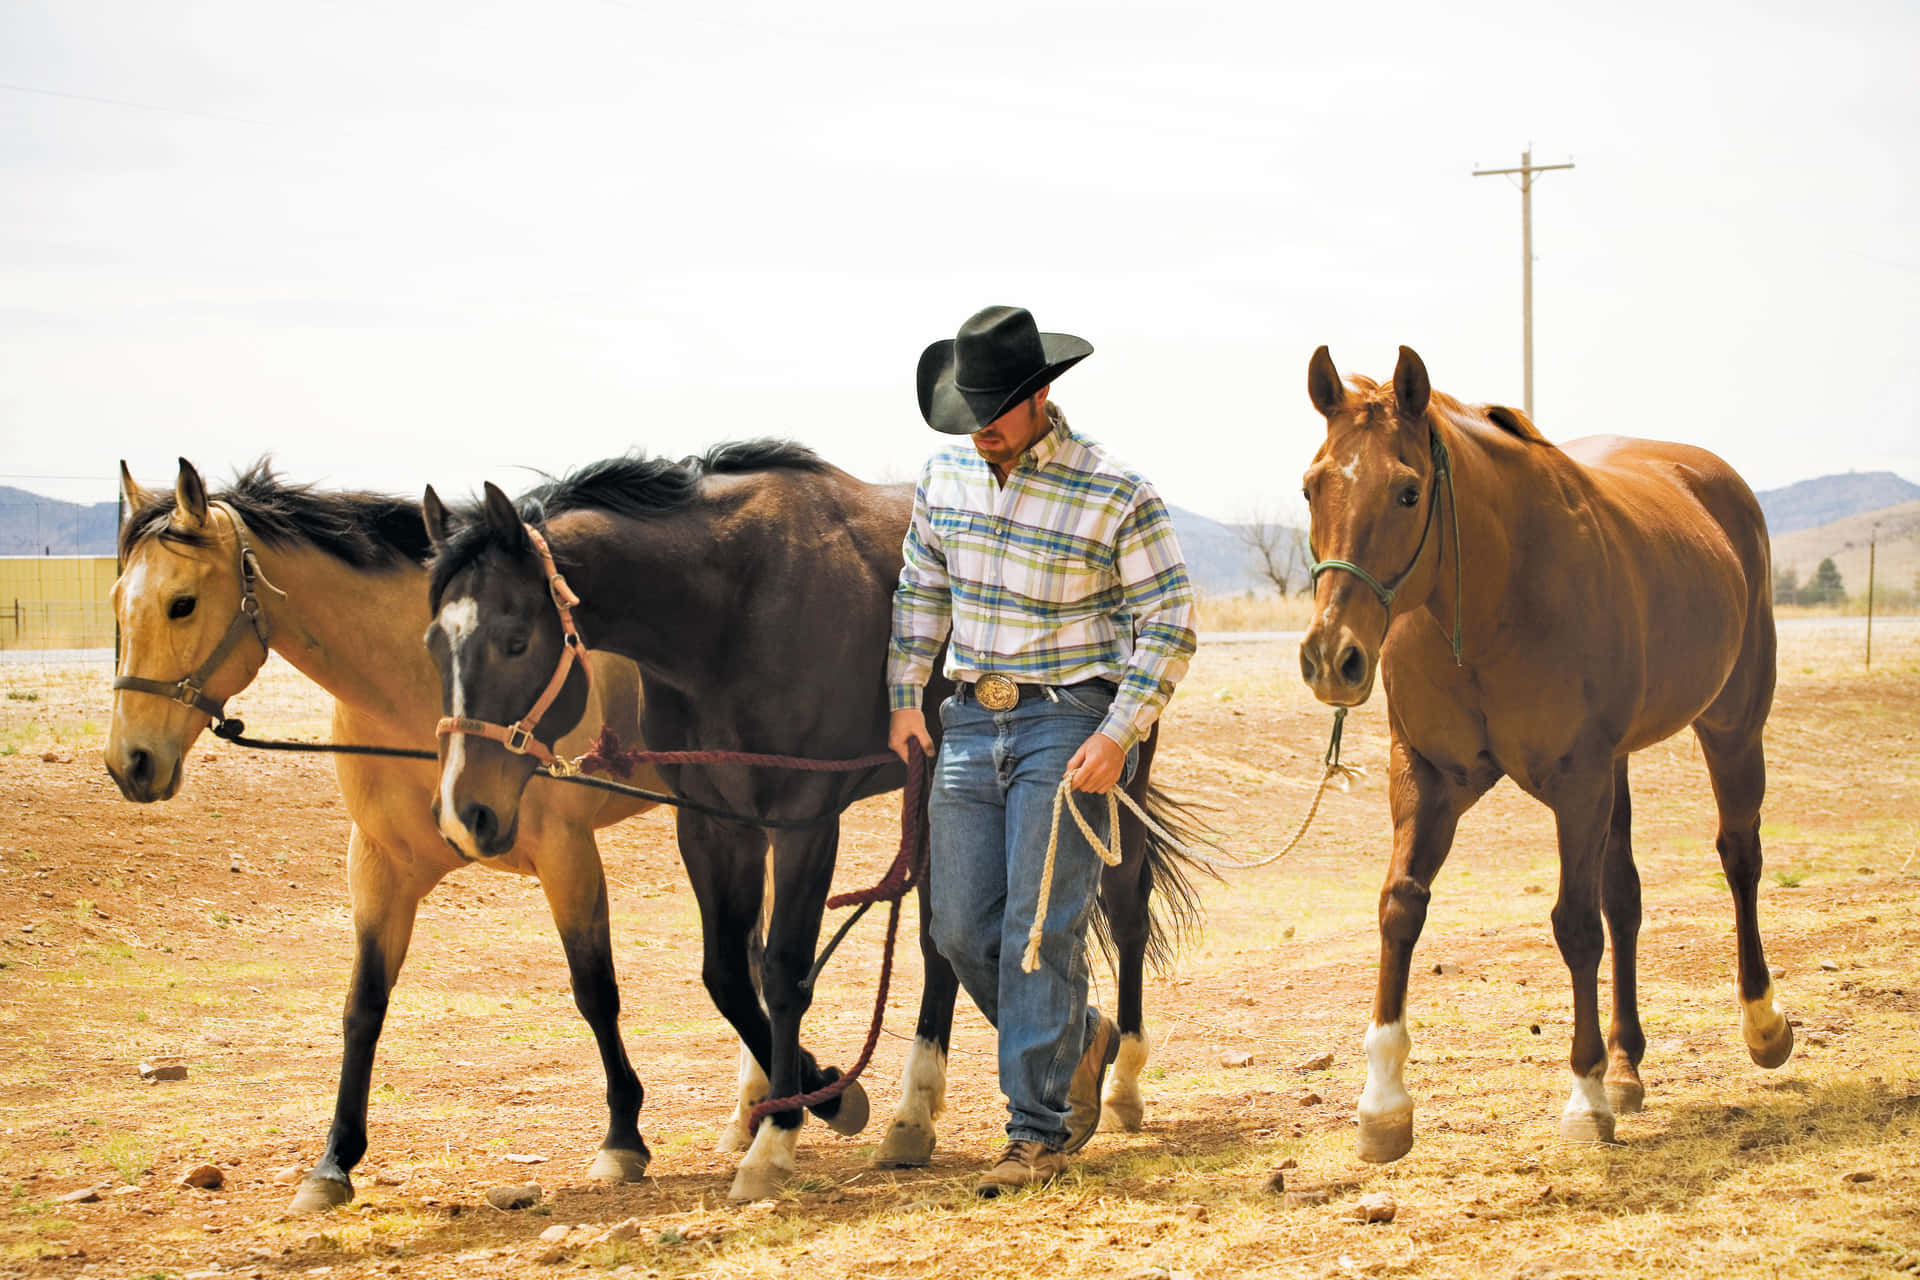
(1442, 473)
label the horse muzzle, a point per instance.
(144, 776)
(1336, 666)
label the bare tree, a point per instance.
(1276, 543)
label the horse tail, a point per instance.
(1156, 876)
(1174, 914)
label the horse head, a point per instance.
(507, 688)
(1372, 494)
(188, 630)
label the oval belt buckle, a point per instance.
(996, 693)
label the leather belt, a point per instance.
(1002, 693)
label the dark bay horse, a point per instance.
(753, 586)
(1538, 613)
(339, 585)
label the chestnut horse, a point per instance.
(334, 583)
(754, 588)
(1538, 613)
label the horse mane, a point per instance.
(1508, 419)
(631, 485)
(365, 530)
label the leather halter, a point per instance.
(248, 617)
(1442, 474)
(518, 737)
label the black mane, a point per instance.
(365, 530)
(631, 485)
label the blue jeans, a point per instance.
(991, 810)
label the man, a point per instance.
(1057, 572)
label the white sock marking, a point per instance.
(1386, 1092)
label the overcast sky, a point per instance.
(401, 242)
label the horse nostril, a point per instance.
(479, 820)
(1353, 667)
(1308, 667)
(140, 770)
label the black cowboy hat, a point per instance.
(999, 358)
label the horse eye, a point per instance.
(181, 607)
(1306, 495)
(1409, 497)
(516, 646)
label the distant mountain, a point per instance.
(1811, 503)
(31, 525)
(1895, 531)
(1217, 560)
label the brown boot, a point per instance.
(1022, 1164)
(1083, 1092)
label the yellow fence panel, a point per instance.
(56, 602)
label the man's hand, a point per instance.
(907, 724)
(1096, 765)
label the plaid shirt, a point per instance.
(1069, 572)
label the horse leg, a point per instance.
(385, 900)
(1583, 807)
(1426, 812)
(1737, 765)
(726, 865)
(1620, 897)
(576, 889)
(923, 1087)
(802, 871)
(1124, 894)
(750, 1080)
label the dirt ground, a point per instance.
(212, 931)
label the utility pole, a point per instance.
(1873, 540)
(1526, 171)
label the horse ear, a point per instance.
(506, 522)
(1324, 388)
(1411, 390)
(130, 490)
(433, 514)
(190, 496)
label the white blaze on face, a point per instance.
(459, 619)
(1352, 469)
(1386, 1092)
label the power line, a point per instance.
(123, 102)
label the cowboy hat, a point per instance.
(998, 359)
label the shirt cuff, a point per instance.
(1120, 731)
(905, 697)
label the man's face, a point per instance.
(1002, 441)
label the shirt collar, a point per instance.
(1048, 446)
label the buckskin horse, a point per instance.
(334, 582)
(753, 587)
(1538, 612)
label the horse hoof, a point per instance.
(317, 1195)
(852, 1114)
(614, 1164)
(905, 1147)
(756, 1183)
(1122, 1115)
(1773, 1050)
(1586, 1126)
(1626, 1097)
(1384, 1139)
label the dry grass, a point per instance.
(1250, 612)
(1732, 1172)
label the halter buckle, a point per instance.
(518, 736)
(187, 692)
